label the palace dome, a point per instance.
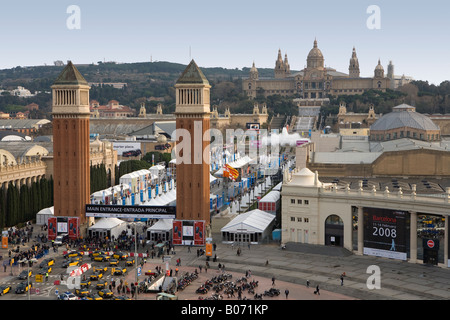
(315, 52)
(404, 116)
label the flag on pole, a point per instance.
(230, 172)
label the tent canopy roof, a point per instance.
(249, 222)
(106, 223)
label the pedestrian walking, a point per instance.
(273, 281)
(317, 290)
(342, 280)
(286, 292)
(307, 283)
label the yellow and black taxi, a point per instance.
(72, 254)
(102, 269)
(113, 262)
(102, 284)
(47, 263)
(98, 253)
(71, 262)
(25, 274)
(4, 289)
(44, 270)
(92, 296)
(84, 283)
(101, 257)
(97, 275)
(118, 271)
(106, 293)
(130, 261)
(120, 255)
(82, 292)
(23, 287)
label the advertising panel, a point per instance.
(188, 232)
(73, 228)
(385, 233)
(176, 230)
(51, 222)
(124, 146)
(199, 233)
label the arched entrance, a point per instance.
(334, 231)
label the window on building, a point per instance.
(299, 201)
(306, 202)
(306, 220)
(293, 201)
(299, 219)
(292, 219)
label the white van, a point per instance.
(61, 239)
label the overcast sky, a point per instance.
(232, 34)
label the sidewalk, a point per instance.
(399, 280)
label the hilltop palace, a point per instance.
(317, 81)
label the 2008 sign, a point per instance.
(385, 232)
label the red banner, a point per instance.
(73, 228)
(177, 231)
(199, 233)
(51, 231)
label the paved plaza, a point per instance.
(292, 268)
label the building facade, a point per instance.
(315, 81)
(386, 223)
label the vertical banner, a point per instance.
(199, 233)
(73, 228)
(177, 230)
(51, 231)
(4, 239)
(208, 249)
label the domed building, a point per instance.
(404, 122)
(316, 80)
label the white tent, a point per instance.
(43, 215)
(107, 227)
(252, 226)
(161, 230)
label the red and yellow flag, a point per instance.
(230, 172)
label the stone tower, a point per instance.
(193, 117)
(70, 112)
(353, 68)
(253, 72)
(379, 70)
(280, 70)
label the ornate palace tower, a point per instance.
(193, 116)
(70, 110)
(353, 68)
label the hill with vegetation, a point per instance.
(153, 82)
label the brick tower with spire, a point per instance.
(193, 117)
(70, 112)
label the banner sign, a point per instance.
(73, 228)
(51, 231)
(115, 211)
(188, 232)
(177, 236)
(384, 233)
(199, 233)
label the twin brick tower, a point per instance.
(70, 111)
